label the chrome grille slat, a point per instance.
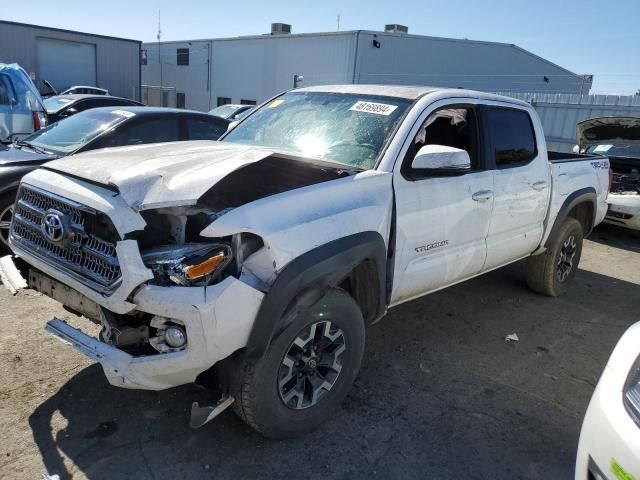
(89, 258)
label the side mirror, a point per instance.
(576, 149)
(232, 125)
(443, 158)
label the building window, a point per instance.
(181, 100)
(223, 101)
(183, 56)
(247, 102)
(143, 57)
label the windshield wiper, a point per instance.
(35, 148)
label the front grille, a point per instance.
(88, 249)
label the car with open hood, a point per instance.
(256, 263)
(619, 139)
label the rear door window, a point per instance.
(205, 129)
(7, 94)
(512, 136)
(149, 131)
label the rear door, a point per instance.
(442, 220)
(521, 184)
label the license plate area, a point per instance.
(67, 296)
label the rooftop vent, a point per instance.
(396, 28)
(280, 28)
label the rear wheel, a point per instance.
(551, 272)
(6, 214)
(307, 370)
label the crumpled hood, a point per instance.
(185, 173)
(164, 174)
(616, 131)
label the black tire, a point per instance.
(260, 394)
(6, 207)
(551, 272)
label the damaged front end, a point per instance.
(169, 301)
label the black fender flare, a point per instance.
(587, 194)
(11, 176)
(324, 266)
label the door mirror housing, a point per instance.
(442, 158)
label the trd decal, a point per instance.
(431, 246)
(600, 164)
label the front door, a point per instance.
(442, 221)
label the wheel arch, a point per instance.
(356, 263)
(581, 205)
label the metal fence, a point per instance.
(560, 112)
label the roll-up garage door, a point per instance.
(66, 63)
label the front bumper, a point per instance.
(609, 444)
(624, 210)
(218, 320)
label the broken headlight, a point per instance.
(192, 264)
(631, 396)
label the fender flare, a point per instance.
(10, 177)
(324, 266)
(583, 195)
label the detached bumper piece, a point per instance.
(201, 415)
(114, 362)
(11, 276)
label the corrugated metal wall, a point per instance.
(257, 67)
(560, 113)
(400, 59)
(251, 68)
(117, 60)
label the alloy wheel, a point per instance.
(565, 261)
(5, 223)
(311, 365)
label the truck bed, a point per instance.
(559, 157)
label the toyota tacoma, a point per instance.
(259, 260)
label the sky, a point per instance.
(587, 36)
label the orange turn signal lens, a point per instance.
(193, 272)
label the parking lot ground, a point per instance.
(440, 395)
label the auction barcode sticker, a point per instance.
(371, 107)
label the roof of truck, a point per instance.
(408, 92)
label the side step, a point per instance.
(201, 415)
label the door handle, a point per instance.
(482, 196)
(538, 186)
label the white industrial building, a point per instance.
(210, 72)
(66, 58)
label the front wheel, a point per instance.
(307, 370)
(551, 272)
(6, 214)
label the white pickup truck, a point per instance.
(259, 261)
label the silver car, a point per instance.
(21, 109)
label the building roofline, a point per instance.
(342, 32)
(372, 32)
(19, 24)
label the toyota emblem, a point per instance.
(53, 225)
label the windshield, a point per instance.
(70, 134)
(224, 111)
(347, 128)
(630, 151)
(53, 105)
